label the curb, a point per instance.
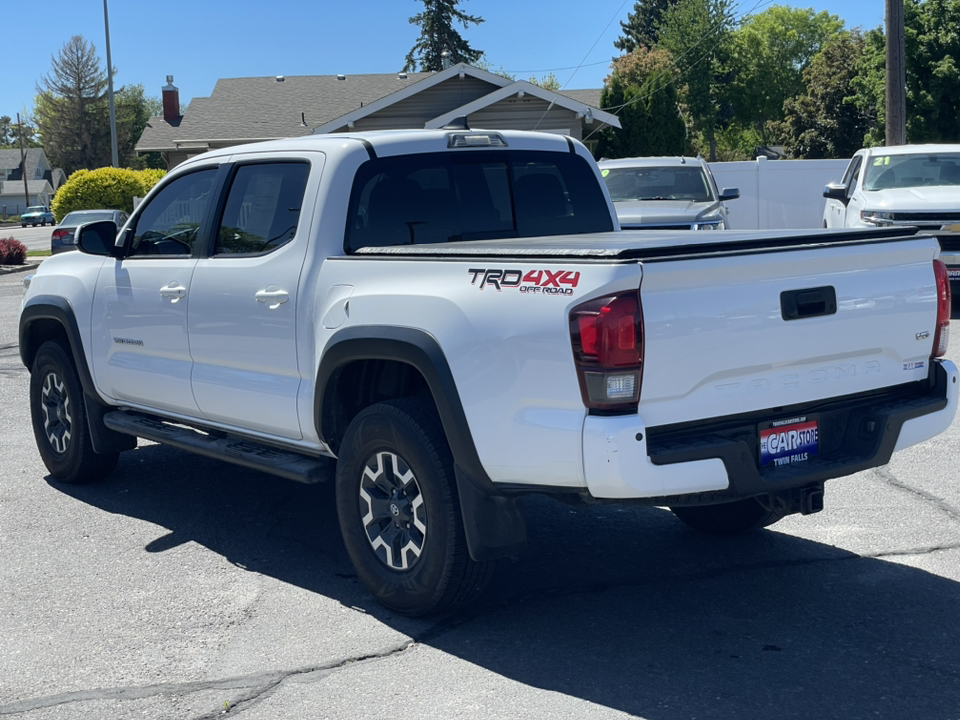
(8, 269)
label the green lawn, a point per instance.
(38, 253)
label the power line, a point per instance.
(602, 33)
(617, 108)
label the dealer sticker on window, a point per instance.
(787, 442)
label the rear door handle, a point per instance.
(273, 296)
(173, 290)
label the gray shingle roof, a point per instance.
(260, 108)
(14, 188)
(257, 108)
(587, 97)
(10, 160)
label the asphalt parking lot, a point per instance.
(185, 588)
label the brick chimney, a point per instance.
(171, 101)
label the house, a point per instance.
(43, 181)
(254, 109)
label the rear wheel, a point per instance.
(400, 513)
(59, 419)
(728, 518)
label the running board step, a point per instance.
(248, 453)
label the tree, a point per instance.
(933, 74)
(437, 35)
(642, 27)
(642, 91)
(826, 121)
(933, 70)
(10, 133)
(70, 106)
(768, 56)
(696, 32)
(547, 82)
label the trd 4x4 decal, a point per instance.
(546, 282)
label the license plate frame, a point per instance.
(788, 441)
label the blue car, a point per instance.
(37, 215)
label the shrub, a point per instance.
(12, 252)
(108, 188)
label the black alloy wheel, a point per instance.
(58, 414)
(399, 510)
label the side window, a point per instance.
(855, 175)
(848, 173)
(262, 209)
(169, 223)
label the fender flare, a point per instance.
(58, 309)
(494, 524)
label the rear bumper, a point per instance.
(717, 460)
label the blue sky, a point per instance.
(200, 41)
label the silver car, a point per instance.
(671, 193)
(62, 238)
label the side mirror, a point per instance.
(98, 238)
(836, 191)
(729, 194)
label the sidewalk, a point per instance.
(31, 264)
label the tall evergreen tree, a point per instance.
(437, 35)
(642, 27)
(71, 105)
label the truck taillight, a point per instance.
(607, 337)
(941, 336)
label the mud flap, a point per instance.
(494, 524)
(103, 439)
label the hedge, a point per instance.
(105, 188)
(12, 252)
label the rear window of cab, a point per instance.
(479, 195)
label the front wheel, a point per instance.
(59, 419)
(731, 518)
(399, 511)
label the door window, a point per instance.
(263, 208)
(169, 223)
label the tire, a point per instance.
(399, 511)
(732, 518)
(59, 419)
(23, 224)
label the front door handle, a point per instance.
(174, 290)
(273, 296)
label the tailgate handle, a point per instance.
(809, 302)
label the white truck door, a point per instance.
(243, 315)
(140, 344)
(838, 213)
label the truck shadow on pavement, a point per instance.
(622, 607)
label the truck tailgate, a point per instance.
(755, 330)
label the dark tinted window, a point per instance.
(262, 209)
(669, 182)
(169, 223)
(447, 197)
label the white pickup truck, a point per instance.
(453, 316)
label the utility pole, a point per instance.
(896, 75)
(113, 112)
(23, 164)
